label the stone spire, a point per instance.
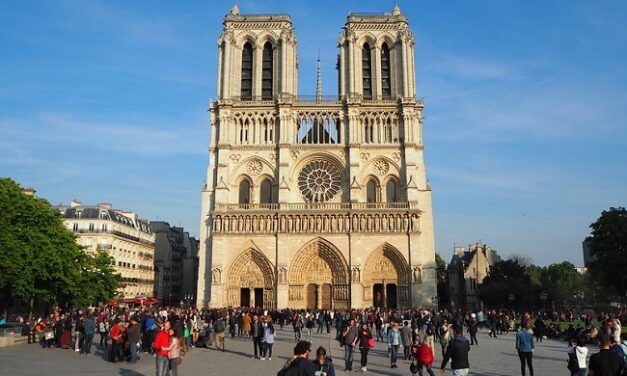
(235, 10)
(396, 10)
(319, 79)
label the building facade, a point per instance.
(189, 281)
(466, 272)
(123, 235)
(316, 202)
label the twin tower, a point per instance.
(316, 202)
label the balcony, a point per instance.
(325, 206)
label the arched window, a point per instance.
(247, 72)
(372, 191)
(265, 192)
(266, 72)
(366, 71)
(244, 192)
(386, 89)
(392, 191)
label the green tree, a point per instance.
(442, 287)
(39, 257)
(608, 246)
(505, 278)
(102, 279)
(560, 281)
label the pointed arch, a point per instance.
(387, 266)
(386, 75)
(246, 83)
(267, 71)
(251, 269)
(319, 262)
(366, 71)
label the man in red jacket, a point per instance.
(162, 339)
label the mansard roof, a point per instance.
(95, 212)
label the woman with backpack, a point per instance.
(422, 357)
(445, 335)
(323, 364)
(268, 339)
(577, 358)
(366, 342)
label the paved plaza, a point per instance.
(492, 357)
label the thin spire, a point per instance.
(319, 80)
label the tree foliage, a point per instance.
(39, 257)
(608, 247)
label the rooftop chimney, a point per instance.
(75, 203)
(105, 205)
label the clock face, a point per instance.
(319, 181)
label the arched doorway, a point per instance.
(318, 277)
(250, 281)
(386, 278)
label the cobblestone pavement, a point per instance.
(492, 357)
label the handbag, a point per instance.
(413, 367)
(49, 335)
(371, 344)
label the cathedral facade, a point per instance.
(316, 202)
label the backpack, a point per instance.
(429, 330)
(291, 370)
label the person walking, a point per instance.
(445, 335)
(103, 330)
(577, 358)
(606, 362)
(310, 326)
(268, 340)
(218, 333)
(117, 341)
(525, 346)
(406, 335)
(394, 342)
(246, 324)
(160, 344)
(323, 365)
(457, 353)
(473, 326)
(350, 335)
(423, 356)
(366, 342)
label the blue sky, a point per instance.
(525, 107)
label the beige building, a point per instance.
(316, 202)
(466, 272)
(122, 234)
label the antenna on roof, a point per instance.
(319, 80)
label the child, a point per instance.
(423, 356)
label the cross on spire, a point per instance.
(319, 79)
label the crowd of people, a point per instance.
(169, 333)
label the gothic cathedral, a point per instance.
(311, 201)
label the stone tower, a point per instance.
(316, 202)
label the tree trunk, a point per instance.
(31, 305)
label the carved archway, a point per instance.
(250, 270)
(318, 262)
(387, 266)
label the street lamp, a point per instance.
(543, 297)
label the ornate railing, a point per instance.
(306, 206)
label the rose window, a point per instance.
(319, 181)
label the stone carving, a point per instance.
(319, 181)
(396, 156)
(381, 166)
(294, 154)
(282, 275)
(364, 156)
(356, 275)
(235, 158)
(254, 167)
(416, 273)
(216, 276)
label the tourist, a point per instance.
(103, 330)
(457, 353)
(423, 356)
(473, 326)
(394, 342)
(445, 335)
(246, 324)
(268, 339)
(79, 330)
(525, 346)
(117, 341)
(173, 349)
(310, 326)
(90, 330)
(366, 342)
(323, 364)
(257, 334)
(577, 358)
(406, 335)
(133, 333)
(66, 337)
(538, 328)
(297, 325)
(218, 333)
(492, 323)
(606, 362)
(160, 345)
(350, 336)
(299, 362)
